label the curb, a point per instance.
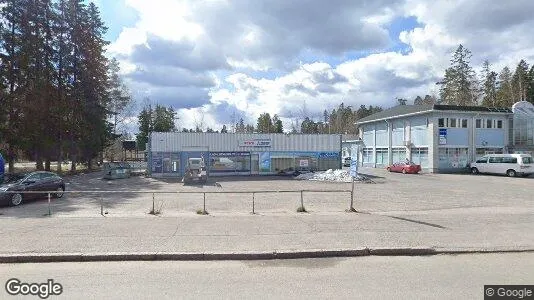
(181, 256)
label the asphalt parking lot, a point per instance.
(391, 192)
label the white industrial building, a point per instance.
(243, 153)
(441, 138)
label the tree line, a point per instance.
(338, 121)
(60, 96)
(461, 85)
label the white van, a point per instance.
(508, 164)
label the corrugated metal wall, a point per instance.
(179, 141)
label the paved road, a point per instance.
(435, 277)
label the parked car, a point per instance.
(511, 165)
(35, 182)
(405, 168)
(346, 161)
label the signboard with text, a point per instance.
(442, 136)
(255, 143)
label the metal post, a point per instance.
(352, 196)
(101, 205)
(301, 199)
(49, 209)
(153, 204)
(253, 194)
(204, 203)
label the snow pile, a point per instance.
(330, 175)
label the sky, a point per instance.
(216, 61)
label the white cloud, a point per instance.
(187, 42)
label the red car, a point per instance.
(404, 168)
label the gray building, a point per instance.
(242, 154)
(441, 138)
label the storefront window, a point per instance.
(420, 156)
(453, 158)
(484, 151)
(306, 162)
(329, 160)
(157, 162)
(229, 162)
(367, 155)
(398, 155)
(282, 162)
(382, 156)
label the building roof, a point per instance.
(403, 110)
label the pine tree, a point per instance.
(278, 126)
(530, 85)
(418, 100)
(505, 92)
(489, 84)
(11, 57)
(265, 124)
(520, 81)
(459, 86)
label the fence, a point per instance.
(251, 200)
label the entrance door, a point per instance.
(254, 164)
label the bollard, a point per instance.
(351, 208)
(153, 204)
(301, 199)
(101, 205)
(49, 209)
(253, 194)
(204, 202)
(352, 196)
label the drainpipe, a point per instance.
(390, 142)
(473, 138)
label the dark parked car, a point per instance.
(35, 181)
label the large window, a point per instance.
(478, 123)
(398, 155)
(382, 156)
(367, 155)
(420, 156)
(453, 158)
(484, 151)
(489, 123)
(229, 162)
(329, 160)
(157, 162)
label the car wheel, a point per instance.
(511, 173)
(474, 171)
(403, 171)
(59, 192)
(16, 199)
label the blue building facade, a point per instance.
(441, 138)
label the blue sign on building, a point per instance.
(442, 136)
